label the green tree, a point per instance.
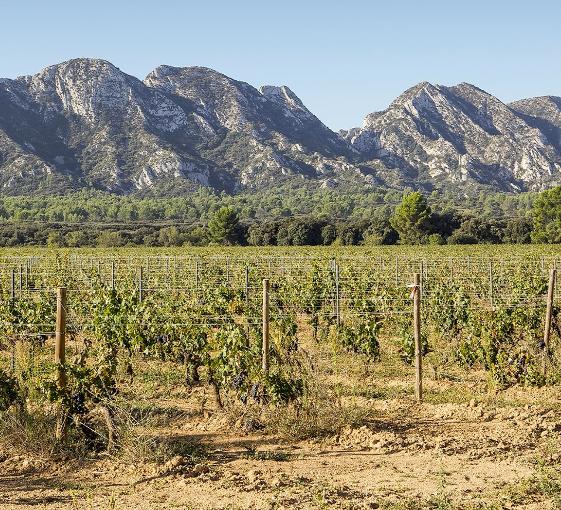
(76, 238)
(55, 240)
(107, 239)
(328, 234)
(380, 232)
(517, 231)
(223, 226)
(411, 219)
(170, 236)
(197, 236)
(546, 214)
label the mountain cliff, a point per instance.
(86, 124)
(462, 134)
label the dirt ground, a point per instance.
(491, 451)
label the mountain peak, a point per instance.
(88, 123)
(163, 71)
(282, 95)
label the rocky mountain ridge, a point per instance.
(86, 124)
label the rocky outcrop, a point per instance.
(86, 124)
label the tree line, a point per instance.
(407, 218)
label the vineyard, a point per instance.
(271, 337)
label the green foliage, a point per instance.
(9, 391)
(476, 230)
(282, 389)
(407, 344)
(448, 308)
(546, 213)
(108, 239)
(361, 337)
(302, 213)
(436, 239)
(411, 219)
(223, 226)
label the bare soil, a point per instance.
(493, 451)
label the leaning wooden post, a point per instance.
(60, 355)
(265, 347)
(548, 316)
(417, 336)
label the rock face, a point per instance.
(462, 134)
(86, 124)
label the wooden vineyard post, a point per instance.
(12, 298)
(60, 355)
(246, 297)
(140, 283)
(491, 298)
(112, 275)
(265, 347)
(548, 315)
(337, 296)
(417, 337)
(13, 285)
(421, 277)
(246, 285)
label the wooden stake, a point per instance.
(60, 354)
(337, 296)
(140, 288)
(246, 283)
(60, 335)
(548, 316)
(246, 296)
(265, 347)
(417, 337)
(491, 284)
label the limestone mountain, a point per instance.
(461, 134)
(86, 124)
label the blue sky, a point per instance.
(344, 59)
